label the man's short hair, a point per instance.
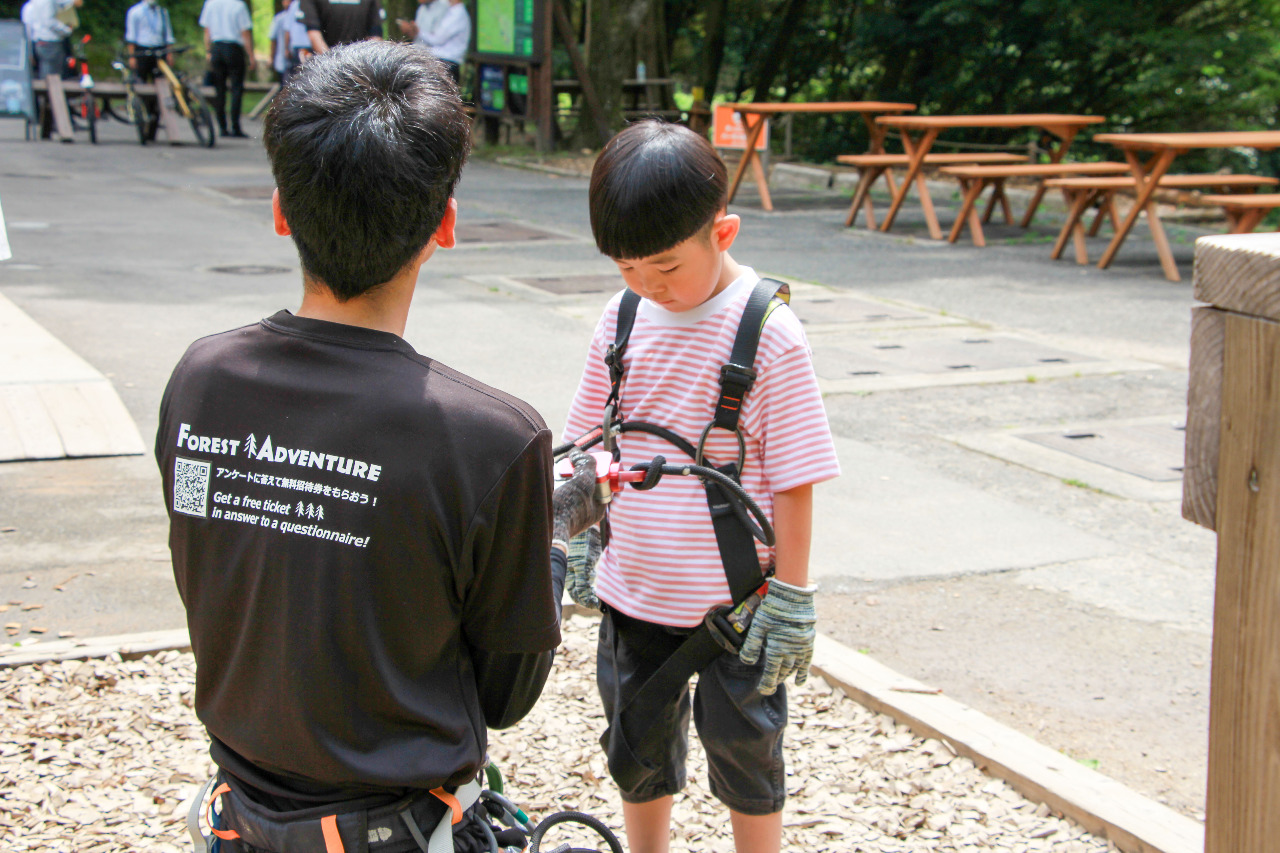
(653, 186)
(367, 142)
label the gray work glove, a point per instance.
(584, 553)
(574, 506)
(783, 629)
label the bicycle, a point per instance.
(186, 99)
(88, 103)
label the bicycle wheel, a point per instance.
(137, 109)
(201, 118)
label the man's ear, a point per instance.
(724, 229)
(444, 236)
(282, 227)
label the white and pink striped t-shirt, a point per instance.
(662, 564)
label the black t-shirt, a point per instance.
(353, 526)
(343, 21)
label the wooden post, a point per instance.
(1232, 485)
(58, 106)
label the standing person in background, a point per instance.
(228, 41)
(450, 38)
(299, 42)
(281, 60)
(147, 33)
(424, 20)
(47, 34)
(334, 22)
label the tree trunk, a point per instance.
(770, 61)
(713, 49)
(613, 25)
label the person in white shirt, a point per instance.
(424, 20)
(228, 41)
(147, 34)
(47, 34)
(299, 42)
(279, 36)
(450, 38)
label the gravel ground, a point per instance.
(100, 756)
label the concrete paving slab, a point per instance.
(1021, 447)
(53, 404)
(1134, 586)
(890, 518)
(962, 355)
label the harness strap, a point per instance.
(225, 834)
(332, 840)
(613, 355)
(458, 802)
(737, 377)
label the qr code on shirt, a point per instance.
(191, 486)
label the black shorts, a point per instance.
(740, 730)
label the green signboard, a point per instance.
(505, 28)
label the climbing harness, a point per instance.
(735, 517)
(389, 828)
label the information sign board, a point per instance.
(728, 131)
(16, 98)
(506, 28)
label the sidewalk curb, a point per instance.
(1101, 805)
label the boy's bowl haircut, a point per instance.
(367, 143)
(654, 186)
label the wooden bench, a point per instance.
(872, 166)
(1100, 191)
(1245, 210)
(975, 179)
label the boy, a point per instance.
(658, 196)
(360, 535)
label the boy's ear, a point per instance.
(724, 230)
(282, 227)
(444, 236)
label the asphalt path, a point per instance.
(1066, 599)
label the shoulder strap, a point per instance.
(737, 377)
(613, 355)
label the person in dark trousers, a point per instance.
(365, 540)
(228, 42)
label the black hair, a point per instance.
(653, 186)
(367, 142)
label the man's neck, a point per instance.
(386, 308)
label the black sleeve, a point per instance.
(375, 19)
(311, 15)
(507, 598)
(510, 684)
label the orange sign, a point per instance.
(729, 132)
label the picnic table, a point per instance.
(927, 128)
(751, 158)
(1162, 149)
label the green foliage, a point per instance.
(1144, 64)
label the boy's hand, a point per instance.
(784, 628)
(584, 553)
(574, 506)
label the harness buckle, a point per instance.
(700, 456)
(728, 623)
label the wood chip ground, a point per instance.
(101, 755)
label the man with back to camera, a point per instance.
(228, 42)
(360, 535)
(47, 34)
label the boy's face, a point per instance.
(689, 273)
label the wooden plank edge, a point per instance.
(1204, 417)
(1101, 805)
(128, 646)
